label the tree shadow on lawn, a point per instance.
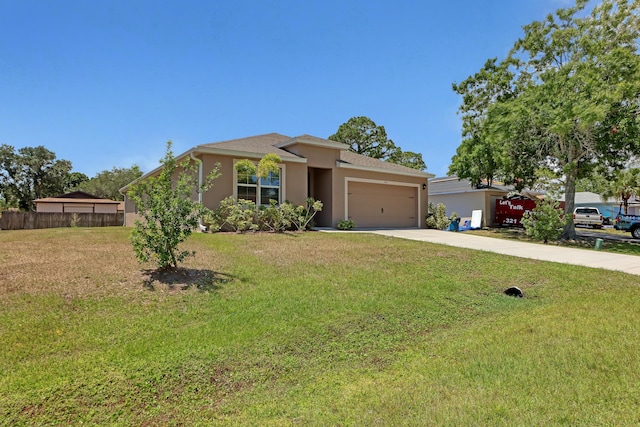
(185, 278)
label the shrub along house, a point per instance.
(368, 191)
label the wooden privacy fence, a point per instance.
(32, 220)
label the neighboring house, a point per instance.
(78, 202)
(608, 208)
(368, 191)
(458, 195)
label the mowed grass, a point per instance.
(631, 247)
(309, 329)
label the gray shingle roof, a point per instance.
(263, 144)
(582, 197)
(451, 184)
(259, 144)
(369, 162)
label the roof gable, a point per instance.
(258, 145)
(314, 140)
(276, 143)
(365, 162)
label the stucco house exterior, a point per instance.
(370, 192)
(76, 202)
(458, 195)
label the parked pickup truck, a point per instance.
(629, 223)
(588, 216)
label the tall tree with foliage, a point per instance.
(168, 211)
(106, 184)
(73, 180)
(410, 159)
(481, 156)
(30, 173)
(365, 137)
(572, 96)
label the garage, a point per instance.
(382, 205)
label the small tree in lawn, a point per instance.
(545, 222)
(170, 215)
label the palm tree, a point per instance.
(625, 185)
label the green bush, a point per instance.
(244, 215)
(346, 224)
(302, 216)
(545, 222)
(437, 217)
(273, 218)
(235, 215)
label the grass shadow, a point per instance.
(185, 278)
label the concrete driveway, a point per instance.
(584, 257)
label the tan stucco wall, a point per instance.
(317, 157)
(324, 160)
(294, 183)
(105, 208)
(78, 208)
(339, 189)
(49, 207)
(130, 214)
(222, 186)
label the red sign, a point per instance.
(510, 212)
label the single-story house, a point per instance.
(607, 207)
(368, 191)
(76, 202)
(460, 196)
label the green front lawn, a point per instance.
(309, 329)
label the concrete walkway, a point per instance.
(588, 258)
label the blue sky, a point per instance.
(106, 83)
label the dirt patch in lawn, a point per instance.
(184, 278)
(77, 262)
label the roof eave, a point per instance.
(473, 190)
(201, 149)
(247, 154)
(311, 141)
(417, 173)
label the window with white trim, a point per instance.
(259, 191)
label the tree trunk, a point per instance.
(569, 231)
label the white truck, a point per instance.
(587, 216)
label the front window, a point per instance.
(259, 191)
(270, 188)
(247, 186)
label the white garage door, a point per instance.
(382, 205)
